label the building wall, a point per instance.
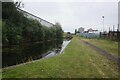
(81, 30)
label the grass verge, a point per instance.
(108, 45)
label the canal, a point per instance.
(18, 54)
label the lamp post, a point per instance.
(113, 28)
(103, 23)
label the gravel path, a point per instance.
(103, 52)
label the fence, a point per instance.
(90, 35)
(113, 35)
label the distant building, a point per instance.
(81, 30)
(92, 31)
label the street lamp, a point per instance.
(103, 23)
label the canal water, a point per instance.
(54, 53)
(17, 54)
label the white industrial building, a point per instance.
(42, 21)
(81, 30)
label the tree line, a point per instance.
(16, 28)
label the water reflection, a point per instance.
(57, 51)
(12, 55)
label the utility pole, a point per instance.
(103, 23)
(118, 28)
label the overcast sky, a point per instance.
(73, 14)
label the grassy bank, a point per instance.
(108, 45)
(77, 61)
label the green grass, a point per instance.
(77, 61)
(108, 45)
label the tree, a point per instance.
(19, 4)
(75, 31)
(18, 28)
(59, 32)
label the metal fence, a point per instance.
(90, 35)
(112, 35)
